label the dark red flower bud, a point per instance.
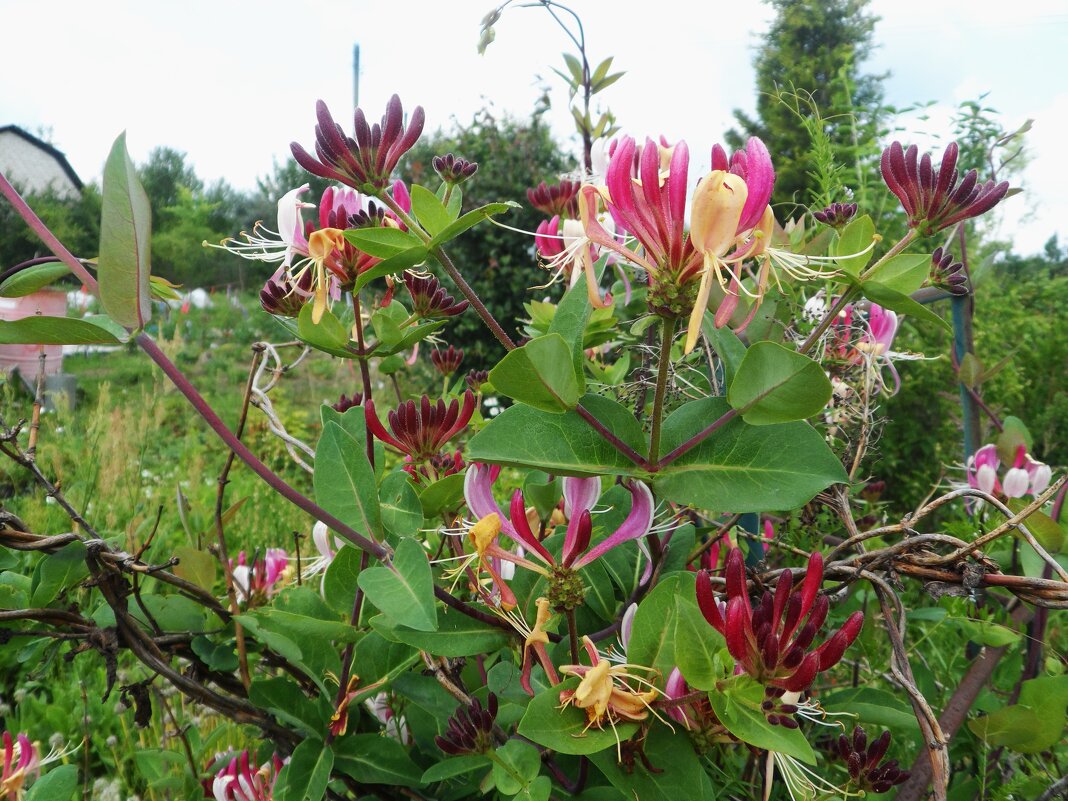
(447, 361)
(345, 403)
(836, 215)
(804, 675)
(583, 530)
(366, 160)
(452, 169)
(947, 274)
(475, 379)
(420, 431)
(707, 602)
(932, 198)
(285, 297)
(832, 650)
(556, 199)
(430, 301)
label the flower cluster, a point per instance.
(836, 215)
(862, 761)
(430, 300)
(255, 582)
(933, 198)
(771, 641)
(366, 160)
(470, 728)
(948, 274)
(447, 361)
(453, 170)
(420, 430)
(238, 782)
(1026, 476)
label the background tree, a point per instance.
(513, 155)
(809, 82)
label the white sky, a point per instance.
(231, 83)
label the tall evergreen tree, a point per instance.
(814, 97)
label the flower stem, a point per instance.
(475, 301)
(572, 635)
(365, 374)
(667, 335)
(611, 438)
(697, 438)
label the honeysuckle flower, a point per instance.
(1026, 476)
(380, 706)
(863, 762)
(771, 642)
(470, 728)
(237, 781)
(933, 198)
(366, 160)
(22, 765)
(607, 693)
(284, 297)
(262, 578)
(420, 430)
(580, 495)
(564, 249)
(646, 197)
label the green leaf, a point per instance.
(516, 764)
(339, 582)
(376, 660)
(296, 627)
(1013, 435)
(40, 330)
(540, 374)
(1048, 532)
(456, 766)
(57, 572)
(383, 243)
(778, 385)
(563, 444)
(905, 272)
(895, 301)
(443, 495)
(402, 515)
(562, 729)
(198, 567)
(391, 266)
(849, 245)
(124, 263)
(329, 334)
(345, 483)
(679, 775)
(58, 784)
(307, 774)
(696, 645)
(469, 220)
(27, 281)
(572, 315)
(743, 468)
(970, 370)
(285, 700)
(737, 705)
(456, 635)
(429, 210)
(653, 638)
(871, 705)
(729, 348)
(217, 656)
(405, 593)
(374, 759)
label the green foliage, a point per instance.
(809, 69)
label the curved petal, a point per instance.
(478, 492)
(580, 494)
(636, 525)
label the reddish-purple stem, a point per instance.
(611, 438)
(697, 439)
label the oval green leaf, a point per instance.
(778, 385)
(125, 241)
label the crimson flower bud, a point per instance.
(430, 301)
(556, 199)
(452, 169)
(836, 215)
(447, 361)
(345, 403)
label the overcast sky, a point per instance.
(232, 83)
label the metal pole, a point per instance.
(356, 75)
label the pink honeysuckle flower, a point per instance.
(1026, 476)
(380, 706)
(237, 782)
(646, 197)
(580, 495)
(262, 578)
(982, 469)
(22, 764)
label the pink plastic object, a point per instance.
(49, 302)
